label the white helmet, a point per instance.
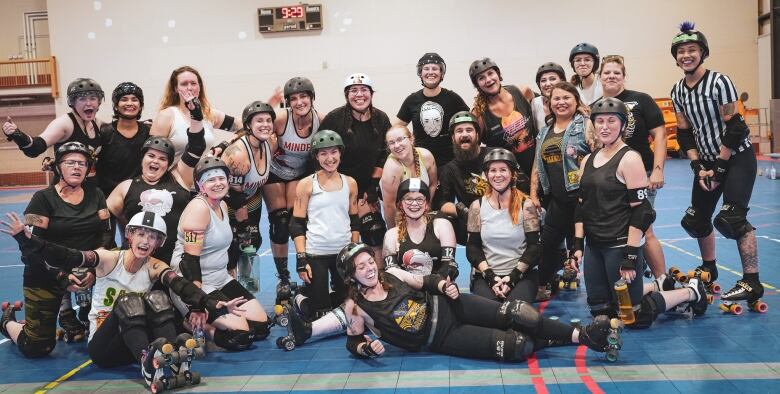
(358, 79)
(148, 220)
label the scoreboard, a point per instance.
(301, 17)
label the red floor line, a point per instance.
(582, 370)
(533, 363)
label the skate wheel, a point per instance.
(715, 288)
(285, 343)
(195, 378)
(157, 387)
(176, 381)
(278, 309)
(573, 286)
(190, 343)
(167, 348)
(759, 306)
(561, 285)
(4, 305)
(283, 320)
(615, 324)
(710, 298)
(612, 355)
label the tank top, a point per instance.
(515, 132)
(537, 105)
(502, 241)
(178, 135)
(253, 180)
(591, 94)
(402, 317)
(291, 157)
(328, 229)
(421, 258)
(408, 172)
(166, 198)
(606, 211)
(120, 157)
(79, 135)
(110, 287)
(214, 256)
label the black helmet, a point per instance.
(72, 147)
(584, 47)
(610, 105)
(550, 67)
(82, 87)
(209, 163)
(325, 139)
(298, 85)
(412, 185)
(123, 89)
(500, 154)
(345, 262)
(431, 58)
(254, 108)
(463, 117)
(480, 65)
(161, 144)
(687, 35)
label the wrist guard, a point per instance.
(630, 257)
(301, 261)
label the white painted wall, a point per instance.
(383, 39)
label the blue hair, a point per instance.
(687, 26)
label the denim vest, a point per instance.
(573, 149)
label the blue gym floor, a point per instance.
(714, 353)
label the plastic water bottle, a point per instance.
(197, 334)
(772, 173)
(83, 297)
(624, 302)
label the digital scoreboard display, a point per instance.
(301, 17)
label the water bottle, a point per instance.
(772, 173)
(197, 334)
(83, 297)
(624, 301)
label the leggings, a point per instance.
(319, 289)
(558, 226)
(112, 347)
(524, 290)
(41, 308)
(602, 270)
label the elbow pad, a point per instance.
(431, 283)
(685, 139)
(56, 255)
(474, 252)
(353, 341)
(532, 250)
(191, 294)
(227, 123)
(391, 261)
(297, 227)
(354, 223)
(235, 199)
(190, 267)
(735, 133)
(196, 145)
(37, 147)
(642, 216)
(107, 236)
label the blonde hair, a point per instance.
(171, 97)
(617, 59)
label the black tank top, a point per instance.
(516, 132)
(402, 317)
(167, 198)
(120, 157)
(79, 135)
(605, 208)
(424, 257)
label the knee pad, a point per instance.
(732, 222)
(372, 229)
(233, 339)
(652, 304)
(34, 349)
(521, 316)
(130, 311)
(695, 224)
(602, 307)
(513, 346)
(159, 306)
(259, 329)
(279, 230)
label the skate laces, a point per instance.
(739, 288)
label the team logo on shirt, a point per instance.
(417, 262)
(158, 201)
(631, 120)
(431, 117)
(516, 131)
(476, 185)
(410, 315)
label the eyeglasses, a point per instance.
(74, 164)
(613, 58)
(414, 201)
(357, 90)
(396, 141)
(584, 59)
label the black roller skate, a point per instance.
(156, 357)
(568, 278)
(703, 300)
(298, 329)
(9, 315)
(603, 335)
(71, 328)
(743, 291)
(708, 276)
(664, 283)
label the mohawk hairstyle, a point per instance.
(687, 26)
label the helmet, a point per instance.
(610, 105)
(550, 67)
(345, 263)
(584, 47)
(431, 58)
(72, 147)
(687, 35)
(480, 65)
(209, 163)
(161, 144)
(359, 79)
(463, 117)
(500, 154)
(325, 139)
(412, 185)
(298, 85)
(82, 87)
(254, 108)
(150, 220)
(126, 88)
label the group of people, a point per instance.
(528, 182)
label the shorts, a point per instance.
(273, 178)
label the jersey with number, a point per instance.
(254, 179)
(292, 155)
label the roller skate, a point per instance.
(298, 329)
(9, 315)
(159, 355)
(677, 275)
(663, 283)
(708, 276)
(246, 272)
(603, 335)
(743, 291)
(568, 279)
(188, 350)
(71, 328)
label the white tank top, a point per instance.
(293, 153)
(108, 288)
(253, 180)
(328, 229)
(214, 256)
(178, 134)
(591, 94)
(408, 173)
(502, 242)
(537, 107)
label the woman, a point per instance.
(294, 128)
(171, 121)
(127, 313)
(547, 76)
(201, 256)
(505, 116)
(68, 213)
(324, 220)
(584, 60)
(404, 161)
(503, 244)
(645, 119)
(613, 213)
(563, 143)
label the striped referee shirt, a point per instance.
(701, 107)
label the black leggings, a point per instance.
(558, 225)
(524, 290)
(234, 252)
(736, 189)
(111, 347)
(321, 283)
